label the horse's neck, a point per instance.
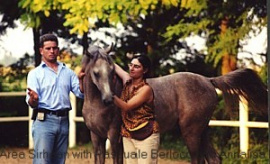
(118, 85)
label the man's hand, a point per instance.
(33, 101)
(81, 76)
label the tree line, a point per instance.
(157, 28)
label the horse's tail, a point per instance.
(245, 83)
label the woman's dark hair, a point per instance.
(146, 63)
(47, 37)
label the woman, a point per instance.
(140, 130)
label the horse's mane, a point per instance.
(93, 54)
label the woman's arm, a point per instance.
(143, 95)
(122, 74)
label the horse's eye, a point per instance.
(96, 74)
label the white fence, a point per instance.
(244, 124)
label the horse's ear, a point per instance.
(112, 54)
(130, 55)
(87, 53)
(109, 48)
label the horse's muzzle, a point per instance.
(108, 101)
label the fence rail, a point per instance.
(244, 124)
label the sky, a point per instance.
(16, 42)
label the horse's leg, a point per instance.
(191, 130)
(193, 145)
(120, 151)
(99, 148)
(210, 153)
(117, 151)
(116, 147)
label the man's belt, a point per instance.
(62, 112)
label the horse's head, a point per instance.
(99, 68)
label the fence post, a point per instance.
(30, 122)
(72, 123)
(243, 128)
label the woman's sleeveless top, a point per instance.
(136, 118)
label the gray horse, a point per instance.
(184, 99)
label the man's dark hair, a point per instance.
(47, 37)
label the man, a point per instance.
(49, 86)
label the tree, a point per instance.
(10, 12)
(47, 17)
(143, 24)
(158, 25)
(33, 18)
(222, 22)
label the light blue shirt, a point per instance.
(53, 88)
